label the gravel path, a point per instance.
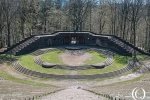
(73, 94)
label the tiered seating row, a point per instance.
(121, 44)
(108, 54)
(41, 51)
(37, 52)
(109, 61)
(23, 70)
(107, 96)
(37, 97)
(23, 45)
(145, 68)
(38, 60)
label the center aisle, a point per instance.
(73, 94)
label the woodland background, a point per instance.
(128, 19)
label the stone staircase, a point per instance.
(38, 60)
(41, 51)
(122, 44)
(145, 68)
(21, 46)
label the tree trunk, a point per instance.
(45, 25)
(1, 41)
(8, 35)
(22, 29)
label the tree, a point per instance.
(10, 8)
(33, 18)
(45, 12)
(134, 17)
(78, 13)
(124, 12)
(2, 21)
(23, 13)
(113, 16)
(147, 19)
(101, 16)
(58, 4)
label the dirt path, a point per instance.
(74, 60)
(73, 94)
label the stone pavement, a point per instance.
(73, 94)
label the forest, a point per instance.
(127, 19)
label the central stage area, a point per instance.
(75, 58)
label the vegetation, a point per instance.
(28, 62)
(128, 19)
(52, 57)
(96, 58)
(119, 63)
(122, 59)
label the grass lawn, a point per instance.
(28, 62)
(96, 58)
(119, 63)
(52, 57)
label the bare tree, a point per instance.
(23, 13)
(33, 18)
(78, 12)
(2, 20)
(124, 12)
(45, 12)
(10, 8)
(58, 4)
(113, 16)
(101, 15)
(134, 17)
(147, 19)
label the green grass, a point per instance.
(96, 58)
(121, 59)
(119, 63)
(28, 62)
(52, 57)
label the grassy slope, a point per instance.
(28, 62)
(96, 58)
(119, 63)
(52, 57)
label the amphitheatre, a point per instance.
(69, 65)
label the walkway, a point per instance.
(73, 94)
